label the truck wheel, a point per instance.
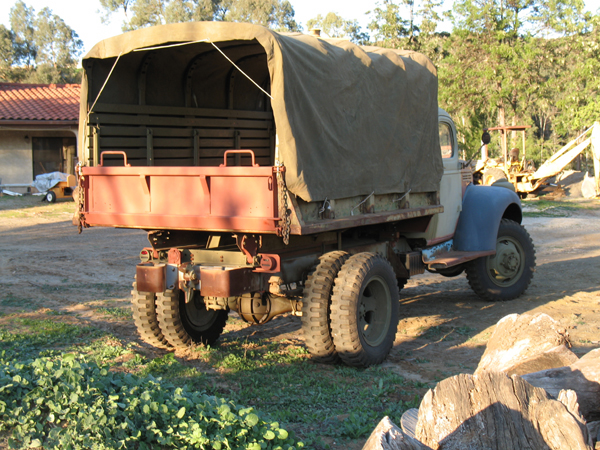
(144, 316)
(491, 175)
(451, 272)
(507, 274)
(316, 307)
(50, 196)
(183, 323)
(364, 310)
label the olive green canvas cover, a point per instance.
(350, 120)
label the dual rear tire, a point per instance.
(350, 309)
(165, 320)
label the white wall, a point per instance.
(16, 157)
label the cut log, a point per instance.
(583, 377)
(387, 436)
(526, 343)
(408, 421)
(492, 411)
(569, 399)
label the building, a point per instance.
(38, 131)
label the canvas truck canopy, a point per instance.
(349, 120)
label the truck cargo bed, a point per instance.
(234, 198)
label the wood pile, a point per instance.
(528, 392)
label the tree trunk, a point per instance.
(583, 377)
(526, 343)
(493, 411)
(387, 436)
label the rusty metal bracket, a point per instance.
(174, 256)
(248, 245)
(269, 263)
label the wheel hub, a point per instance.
(508, 259)
(374, 311)
(197, 314)
(507, 265)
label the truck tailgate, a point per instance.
(238, 198)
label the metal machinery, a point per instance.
(521, 173)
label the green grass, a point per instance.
(548, 208)
(11, 300)
(117, 313)
(29, 206)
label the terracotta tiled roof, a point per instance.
(45, 102)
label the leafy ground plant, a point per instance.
(57, 399)
(67, 402)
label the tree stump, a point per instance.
(492, 411)
(526, 343)
(387, 436)
(583, 377)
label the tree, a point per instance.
(22, 26)
(275, 14)
(501, 68)
(39, 48)
(390, 29)
(408, 24)
(8, 52)
(336, 26)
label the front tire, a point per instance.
(364, 310)
(507, 274)
(185, 323)
(50, 196)
(316, 307)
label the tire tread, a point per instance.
(343, 310)
(477, 278)
(144, 316)
(316, 309)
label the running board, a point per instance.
(442, 256)
(454, 258)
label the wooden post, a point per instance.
(96, 146)
(196, 148)
(149, 147)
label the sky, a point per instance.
(84, 18)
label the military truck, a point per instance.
(284, 173)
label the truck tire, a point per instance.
(451, 272)
(507, 274)
(144, 317)
(364, 310)
(185, 323)
(491, 175)
(316, 307)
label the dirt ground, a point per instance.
(443, 329)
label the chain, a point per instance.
(284, 211)
(81, 223)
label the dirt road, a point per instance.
(44, 263)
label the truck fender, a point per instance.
(483, 208)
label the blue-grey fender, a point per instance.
(483, 208)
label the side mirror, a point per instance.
(486, 138)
